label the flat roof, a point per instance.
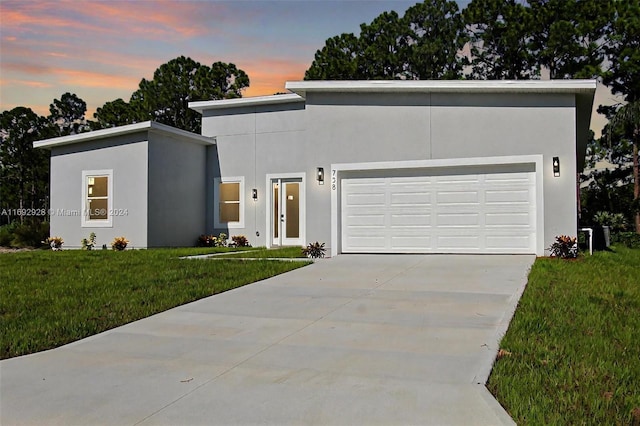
(241, 102)
(151, 126)
(300, 89)
(467, 86)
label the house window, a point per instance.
(97, 196)
(229, 197)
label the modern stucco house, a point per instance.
(364, 166)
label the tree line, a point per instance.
(24, 171)
(515, 40)
(434, 39)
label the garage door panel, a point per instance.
(411, 243)
(508, 241)
(506, 209)
(414, 220)
(457, 197)
(507, 196)
(366, 219)
(456, 179)
(411, 198)
(359, 191)
(362, 199)
(408, 181)
(370, 242)
(459, 242)
(452, 209)
(366, 182)
(458, 219)
(508, 219)
(439, 213)
(411, 230)
(518, 177)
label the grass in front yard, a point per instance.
(194, 251)
(575, 343)
(263, 253)
(48, 299)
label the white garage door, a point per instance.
(445, 213)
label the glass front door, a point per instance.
(286, 198)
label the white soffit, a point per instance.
(243, 102)
(151, 126)
(445, 86)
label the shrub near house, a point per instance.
(240, 241)
(119, 243)
(212, 240)
(564, 247)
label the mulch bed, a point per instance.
(13, 250)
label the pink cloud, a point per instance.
(57, 54)
(73, 77)
(268, 76)
(31, 15)
(92, 46)
(159, 17)
(26, 67)
(145, 19)
(93, 79)
(28, 83)
(26, 57)
(25, 45)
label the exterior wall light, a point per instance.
(556, 166)
(320, 175)
(254, 194)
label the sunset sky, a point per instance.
(100, 50)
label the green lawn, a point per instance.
(262, 253)
(575, 343)
(50, 298)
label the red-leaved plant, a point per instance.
(565, 247)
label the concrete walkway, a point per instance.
(379, 339)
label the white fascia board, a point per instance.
(172, 131)
(244, 102)
(123, 130)
(96, 134)
(443, 86)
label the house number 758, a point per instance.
(334, 180)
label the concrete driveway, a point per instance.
(356, 339)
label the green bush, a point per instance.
(212, 240)
(628, 239)
(314, 250)
(29, 234)
(55, 243)
(240, 241)
(89, 244)
(6, 234)
(615, 221)
(119, 243)
(565, 247)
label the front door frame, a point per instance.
(269, 210)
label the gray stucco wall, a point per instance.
(349, 128)
(176, 191)
(371, 127)
(480, 125)
(127, 157)
(253, 142)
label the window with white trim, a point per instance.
(229, 202)
(97, 198)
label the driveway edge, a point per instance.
(482, 377)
